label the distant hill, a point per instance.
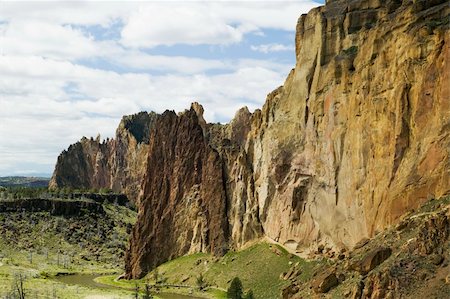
(20, 181)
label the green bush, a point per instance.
(235, 289)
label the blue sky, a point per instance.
(72, 69)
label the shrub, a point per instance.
(235, 289)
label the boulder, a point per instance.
(373, 259)
(325, 281)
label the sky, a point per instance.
(73, 69)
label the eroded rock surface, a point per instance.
(183, 207)
(359, 133)
(118, 164)
(415, 265)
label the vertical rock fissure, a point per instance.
(402, 139)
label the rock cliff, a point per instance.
(356, 137)
(118, 164)
(359, 133)
(183, 207)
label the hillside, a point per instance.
(40, 241)
(19, 181)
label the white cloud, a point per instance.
(179, 64)
(54, 89)
(46, 40)
(41, 39)
(194, 23)
(39, 119)
(151, 23)
(67, 12)
(162, 24)
(269, 48)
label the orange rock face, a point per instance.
(358, 135)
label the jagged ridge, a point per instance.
(117, 164)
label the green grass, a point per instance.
(37, 287)
(259, 267)
(41, 246)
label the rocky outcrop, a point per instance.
(372, 259)
(325, 281)
(55, 207)
(183, 207)
(359, 133)
(116, 164)
(356, 137)
(415, 265)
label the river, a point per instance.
(87, 280)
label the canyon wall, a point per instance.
(183, 207)
(359, 133)
(117, 164)
(356, 137)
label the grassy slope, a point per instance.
(259, 268)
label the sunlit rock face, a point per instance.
(118, 164)
(359, 133)
(356, 137)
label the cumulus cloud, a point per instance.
(161, 24)
(268, 48)
(60, 79)
(157, 23)
(31, 119)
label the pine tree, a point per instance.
(235, 289)
(201, 283)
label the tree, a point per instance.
(201, 283)
(147, 294)
(17, 287)
(235, 289)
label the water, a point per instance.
(87, 280)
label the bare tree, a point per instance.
(18, 287)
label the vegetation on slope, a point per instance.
(260, 267)
(416, 264)
(20, 181)
(39, 246)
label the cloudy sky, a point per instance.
(72, 69)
